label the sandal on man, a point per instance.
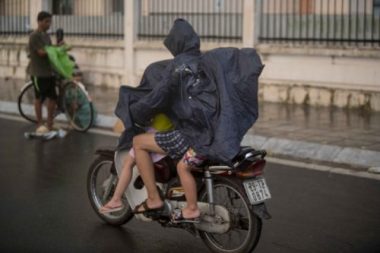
(105, 209)
(147, 208)
(177, 217)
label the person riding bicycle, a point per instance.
(41, 72)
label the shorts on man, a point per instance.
(44, 87)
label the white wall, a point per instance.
(323, 67)
(299, 74)
(345, 78)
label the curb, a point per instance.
(274, 146)
(102, 121)
(374, 170)
(315, 151)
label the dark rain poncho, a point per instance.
(211, 98)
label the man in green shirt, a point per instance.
(41, 72)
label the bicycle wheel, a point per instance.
(78, 106)
(245, 229)
(25, 102)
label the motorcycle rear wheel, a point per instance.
(245, 225)
(101, 184)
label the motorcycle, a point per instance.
(231, 198)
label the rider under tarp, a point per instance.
(211, 98)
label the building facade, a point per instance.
(318, 52)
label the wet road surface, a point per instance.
(353, 128)
(45, 206)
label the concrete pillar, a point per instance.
(35, 6)
(249, 23)
(130, 36)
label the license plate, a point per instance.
(257, 190)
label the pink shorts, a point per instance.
(155, 156)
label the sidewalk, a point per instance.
(327, 135)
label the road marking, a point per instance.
(329, 169)
(311, 166)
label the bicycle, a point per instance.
(73, 100)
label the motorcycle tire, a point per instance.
(101, 183)
(248, 222)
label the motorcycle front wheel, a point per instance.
(245, 230)
(101, 184)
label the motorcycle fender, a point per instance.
(261, 211)
(107, 152)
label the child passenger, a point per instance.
(160, 123)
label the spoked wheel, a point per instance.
(26, 103)
(78, 106)
(245, 227)
(101, 184)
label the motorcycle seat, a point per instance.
(246, 153)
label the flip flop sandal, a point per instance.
(177, 217)
(147, 208)
(105, 210)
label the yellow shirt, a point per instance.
(161, 123)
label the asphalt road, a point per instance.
(44, 205)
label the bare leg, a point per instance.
(38, 111)
(51, 105)
(124, 179)
(189, 185)
(143, 144)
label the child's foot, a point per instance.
(149, 205)
(186, 216)
(112, 206)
